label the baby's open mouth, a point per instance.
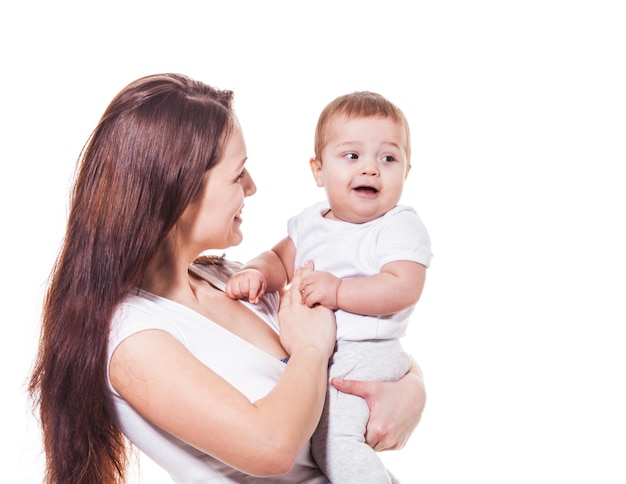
(366, 189)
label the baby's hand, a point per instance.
(248, 283)
(320, 287)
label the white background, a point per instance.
(518, 116)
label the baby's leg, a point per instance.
(338, 444)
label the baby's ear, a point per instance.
(408, 169)
(316, 169)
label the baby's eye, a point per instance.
(351, 156)
(388, 158)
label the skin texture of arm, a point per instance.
(155, 373)
(270, 271)
(396, 287)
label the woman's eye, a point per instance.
(241, 175)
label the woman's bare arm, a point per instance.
(168, 386)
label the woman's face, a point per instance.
(213, 220)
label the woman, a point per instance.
(139, 339)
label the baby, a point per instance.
(370, 257)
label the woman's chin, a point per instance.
(236, 239)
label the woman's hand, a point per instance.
(303, 327)
(395, 407)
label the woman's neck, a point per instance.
(166, 275)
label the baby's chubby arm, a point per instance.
(247, 284)
(396, 287)
(270, 271)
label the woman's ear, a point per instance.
(316, 169)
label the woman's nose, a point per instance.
(249, 187)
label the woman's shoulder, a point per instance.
(141, 310)
(217, 270)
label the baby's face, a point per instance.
(363, 167)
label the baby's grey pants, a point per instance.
(338, 444)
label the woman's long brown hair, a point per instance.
(142, 165)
